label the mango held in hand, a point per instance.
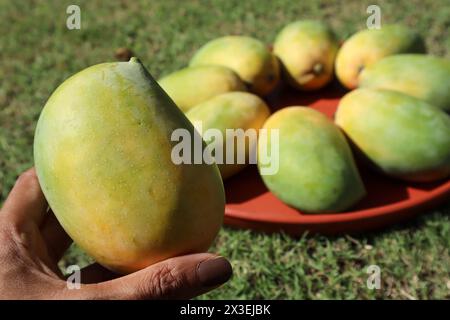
(191, 86)
(422, 76)
(248, 57)
(307, 50)
(317, 172)
(103, 157)
(401, 135)
(368, 46)
(233, 110)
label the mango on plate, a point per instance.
(317, 172)
(422, 76)
(190, 86)
(368, 46)
(230, 111)
(102, 152)
(400, 135)
(307, 50)
(247, 56)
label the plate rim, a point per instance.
(430, 197)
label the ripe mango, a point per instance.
(247, 56)
(233, 110)
(307, 50)
(102, 152)
(368, 46)
(317, 172)
(190, 86)
(422, 76)
(402, 136)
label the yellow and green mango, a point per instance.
(368, 46)
(233, 110)
(317, 172)
(422, 76)
(102, 151)
(247, 56)
(190, 86)
(307, 50)
(400, 135)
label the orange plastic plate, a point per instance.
(251, 205)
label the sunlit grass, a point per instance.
(37, 52)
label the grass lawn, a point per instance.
(37, 52)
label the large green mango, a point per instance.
(102, 152)
(422, 76)
(368, 46)
(190, 86)
(233, 110)
(307, 50)
(402, 136)
(247, 56)
(317, 172)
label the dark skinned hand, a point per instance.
(32, 242)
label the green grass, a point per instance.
(37, 52)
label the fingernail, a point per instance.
(213, 272)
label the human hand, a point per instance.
(32, 242)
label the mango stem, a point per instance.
(134, 60)
(317, 68)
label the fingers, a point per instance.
(177, 278)
(26, 202)
(56, 239)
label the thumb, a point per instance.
(182, 277)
